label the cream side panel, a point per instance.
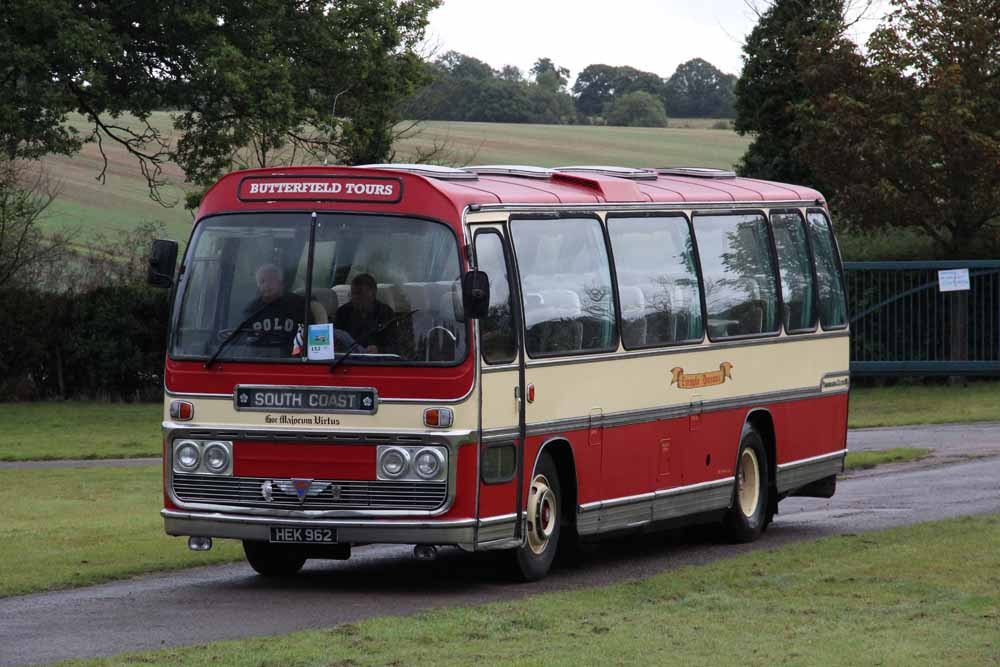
(391, 417)
(499, 402)
(573, 390)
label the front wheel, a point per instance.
(533, 559)
(747, 517)
(272, 560)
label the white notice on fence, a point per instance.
(953, 280)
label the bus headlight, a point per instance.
(393, 462)
(419, 463)
(428, 463)
(217, 457)
(188, 455)
(203, 457)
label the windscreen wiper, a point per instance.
(355, 345)
(235, 332)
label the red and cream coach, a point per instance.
(497, 357)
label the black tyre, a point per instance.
(746, 519)
(533, 560)
(272, 560)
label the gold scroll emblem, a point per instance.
(695, 380)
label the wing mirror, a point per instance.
(162, 263)
(476, 294)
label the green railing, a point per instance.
(903, 324)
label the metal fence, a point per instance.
(903, 324)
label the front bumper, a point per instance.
(460, 532)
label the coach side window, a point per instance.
(657, 280)
(832, 304)
(741, 293)
(496, 330)
(798, 288)
(566, 286)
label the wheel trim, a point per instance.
(543, 511)
(748, 481)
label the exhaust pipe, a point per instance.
(425, 552)
(199, 543)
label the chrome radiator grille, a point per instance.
(331, 494)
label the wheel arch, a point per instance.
(561, 451)
(762, 421)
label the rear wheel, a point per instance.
(748, 515)
(272, 560)
(533, 560)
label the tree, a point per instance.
(771, 84)
(698, 89)
(248, 75)
(598, 87)
(909, 133)
(327, 79)
(100, 59)
(638, 109)
(549, 76)
(25, 194)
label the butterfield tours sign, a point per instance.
(377, 189)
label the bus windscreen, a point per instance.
(389, 286)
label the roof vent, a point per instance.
(428, 170)
(618, 172)
(696, 172)
(525, 171)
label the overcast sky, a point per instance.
(651, 35)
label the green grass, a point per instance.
(865, 460)
(918, 404)
(927, 594)
(79, 430)
(65, 527)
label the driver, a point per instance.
(368, 320)
(277, 313)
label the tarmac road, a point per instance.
(226, 602)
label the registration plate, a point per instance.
(289, 535)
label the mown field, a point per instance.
(921, 595)
(90, 208)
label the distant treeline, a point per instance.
(464, 88)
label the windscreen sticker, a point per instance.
(321, 341)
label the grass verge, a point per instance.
(66, 527)
(906, 404)
(865, 460)
(79, 430)
(925, 594)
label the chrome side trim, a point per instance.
(221, 525)
(796, 474)
(382, 399)
(453, 438)
(635, 511)
(496, 530)
(600, 207)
